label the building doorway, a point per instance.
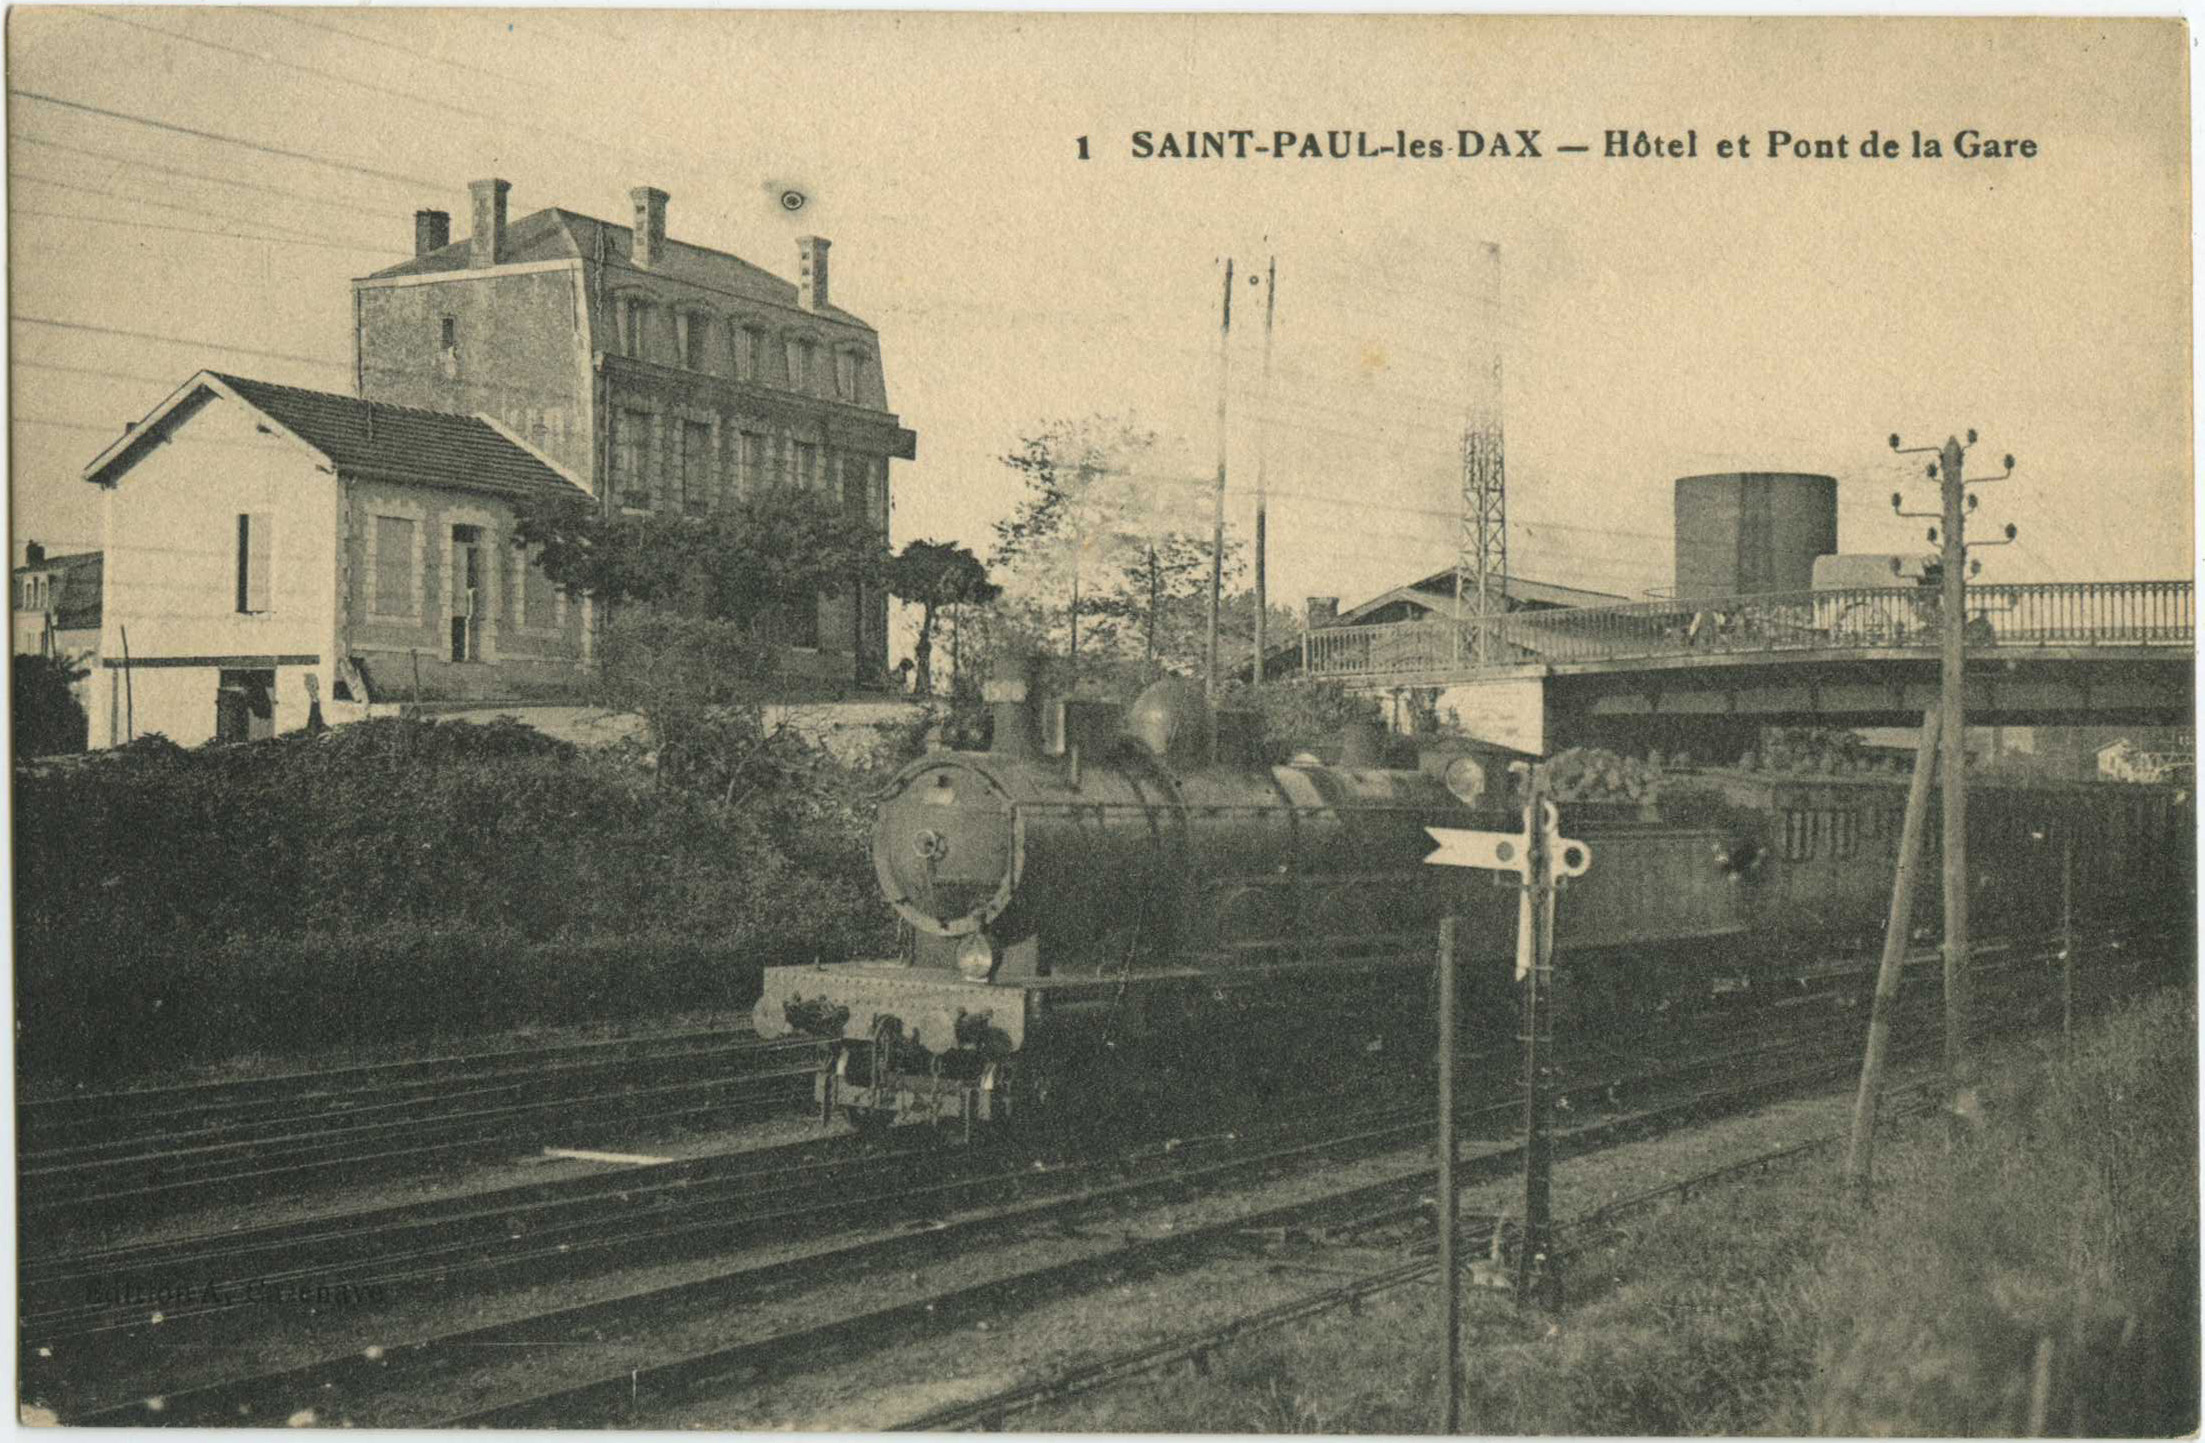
(245, 706)
(466, 593)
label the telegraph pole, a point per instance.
(1263, 422)
(1217, 525)
(1953, 699)
(1860, 1147)
(1946, 470)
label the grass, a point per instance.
(2038, 1275)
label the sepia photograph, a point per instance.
(890, 721)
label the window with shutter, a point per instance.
(537, 600)
(628, 485)
(394, 566)
(696, 467)
(254, 552)
(753, 462)
(854, 489)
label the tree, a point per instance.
(932, 575)
(698, 603)
(1110, 549)
(48, 718)
(764, 556)
(1088, 509)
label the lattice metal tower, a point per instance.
(1481, 558)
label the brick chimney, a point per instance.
(1321, 611)
(432, 231)
(649, 247)
(33, 554)
(486, 247)
(811, 272)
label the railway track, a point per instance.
(1116, 1249)
(348, 1386)
(992, 1410)
(479, 1235)
(512, 1233)
(158, 1148)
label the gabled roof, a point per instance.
(75, 603)
(363, 438)
(556, 235)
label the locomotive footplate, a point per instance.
(937, 1012)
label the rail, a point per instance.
(1857, 619)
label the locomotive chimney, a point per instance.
(1013, 717)
(1361, 744)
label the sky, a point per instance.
(1654, 317)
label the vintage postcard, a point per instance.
(891, 721)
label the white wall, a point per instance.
(171, 579)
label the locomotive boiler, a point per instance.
(1130, 901)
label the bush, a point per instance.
(2044, 1278)
(1305, 716)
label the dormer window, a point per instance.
(691, 328)
(849, 372)
(800, 351)
(632, 312)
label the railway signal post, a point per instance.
(1541, 856)
(1538, 1273)
(1450, 1354)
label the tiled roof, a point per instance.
(403, 442)
(555, 234)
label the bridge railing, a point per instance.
(2064, 614)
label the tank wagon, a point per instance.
(1116, 904)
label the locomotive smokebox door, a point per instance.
(947, 850)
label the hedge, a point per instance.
(403, 879)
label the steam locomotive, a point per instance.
(1113, 904)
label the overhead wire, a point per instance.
(533, 123)
(272, 232)
(136, 163)
(173, 340)
(261, 57)
(281, 152)
(190, 230)
(169, 381)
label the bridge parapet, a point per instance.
(1869, 620)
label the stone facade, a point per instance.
(668, 378)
